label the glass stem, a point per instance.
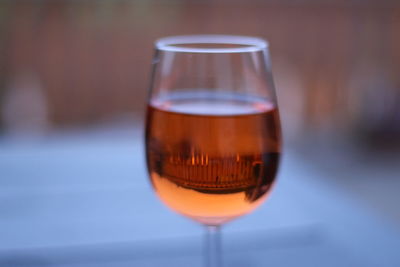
(213, 256)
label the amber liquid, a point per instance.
(212, 159)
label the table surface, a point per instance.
(83, 199)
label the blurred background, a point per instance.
(73, 81)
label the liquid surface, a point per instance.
(212, 160)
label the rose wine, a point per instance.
(212, 159)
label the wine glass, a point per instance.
(213, 136)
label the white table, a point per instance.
(83, 199)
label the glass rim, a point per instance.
(239, 43)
